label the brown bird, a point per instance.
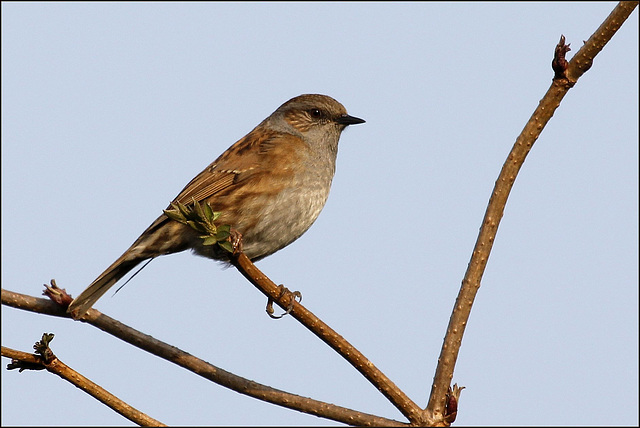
(270, 187)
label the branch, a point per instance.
(201, 218)
(48, 361)
(566, 76)
(198, 366)
(288, 302)
(583, 59)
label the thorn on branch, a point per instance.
(23, 365)
(453, 396)
(58, 295)
(44, 356)
(560, 63)
(42, 348)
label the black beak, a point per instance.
(345, 120)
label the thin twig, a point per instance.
(579, 64)
(57, 367)
(287, 301)
(200, 367)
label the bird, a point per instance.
(269, 187)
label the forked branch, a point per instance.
(198, 366)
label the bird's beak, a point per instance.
(345, 119)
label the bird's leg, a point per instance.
(235, 238)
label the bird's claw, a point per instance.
(235, 238)
(294, 295)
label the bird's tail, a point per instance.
(102, 284)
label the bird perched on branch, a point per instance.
(270, 187)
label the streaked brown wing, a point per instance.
(207, 183)
(238, 163)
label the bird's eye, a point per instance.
(315, 113)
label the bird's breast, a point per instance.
(283, 216)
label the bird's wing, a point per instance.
(239, 162)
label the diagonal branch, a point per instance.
(202, 218)
(578, 65)
(54, 365)
(198, 366)
(288, 302)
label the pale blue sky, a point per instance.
(109, 109)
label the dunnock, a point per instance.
(270, 186)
